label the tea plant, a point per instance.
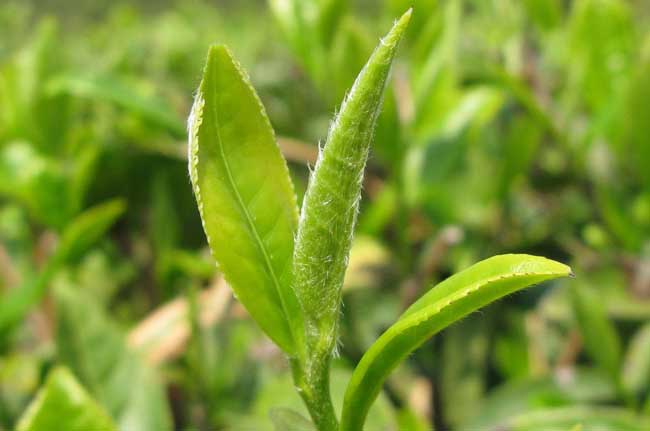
(505, 125)
(286, 269)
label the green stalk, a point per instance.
(313, 384)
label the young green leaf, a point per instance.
(330, 16)
(289, 420)
(598, 333)
(86, 229)
(95, 349)
(463, 367)
(523, 395)
(62, 404)
(600, 418)
(327, 221)
(299, 21)
(330, 205)
(109, 89)
(310, 27)
(454, 298)
(636, 366)
(245, 196)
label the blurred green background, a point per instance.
(508, 126)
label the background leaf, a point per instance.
(94, 348)
(636, 363)
(76, 238)
(63, 404)
(598, 334)
(288, 420)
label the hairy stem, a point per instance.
(312, 381)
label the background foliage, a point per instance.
(508, 126)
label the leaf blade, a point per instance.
(245, 196)
(636, 365)
(451, 300)
(289, 420)
(95, 349)
(331, 202)
(77, 237)
(63, 404)
(601, 341)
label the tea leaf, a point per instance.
(95, 349)
(298, 20)
(331, 203)
(519, 397)
(454, 298)
(636, 367)
(87, 228)
(599, 336)
(76, 239)
(244, 195)
(330, 16)
(590, 417)
(109, 89)
(465, 358)
(63, 404)
(289, 420)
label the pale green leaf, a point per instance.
(331, 203)
(597, 418)
(330, 15)
(110, 89)
(524, 395)
(63, 405)
(599, 335)
(299, 21)
(636, 366)
(454, 298)
(289, 420)
(245, 196)
(95, 349)
(465, 349)
(82, 232)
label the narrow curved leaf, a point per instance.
(454, 298)
(77, 237)
(88, 228)
(62, 404)
(330, 205)
(109, 89)
(636, 366)
(526, 395)
(330, 15)
(244, 195)
(298, 20)
(599, 335)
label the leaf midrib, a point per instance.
(244, 210)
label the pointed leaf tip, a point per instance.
(395, 35)
(219, 49)
(407, 15)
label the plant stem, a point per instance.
(313, 384)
